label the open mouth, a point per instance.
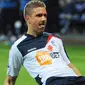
(42, 27)
(42, 24)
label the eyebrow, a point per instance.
(40, 14)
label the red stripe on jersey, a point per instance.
(49, 37)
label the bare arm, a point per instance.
(74, 69)
(10, 80)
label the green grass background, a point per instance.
(76, 54)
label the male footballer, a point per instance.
(42, 54)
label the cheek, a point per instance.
(35, 22)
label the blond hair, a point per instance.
(32, 4)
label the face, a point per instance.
(37, 20)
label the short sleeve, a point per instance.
(64, 53)
(15, 61)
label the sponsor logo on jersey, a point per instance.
(43, 58)
(54, 54)
(32, 49)
(50, 48)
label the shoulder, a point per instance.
(57, 36)
(14, 47)
(21, 39)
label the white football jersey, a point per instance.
(43, 57)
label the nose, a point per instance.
(44, 19)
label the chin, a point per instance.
(41, 32)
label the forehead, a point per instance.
(39, 10)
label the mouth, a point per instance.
(42, 27)
(42, 24)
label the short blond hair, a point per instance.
(32, 4)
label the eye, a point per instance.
(45, 15)
(39, 15)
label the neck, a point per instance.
(33, 33)
(30, 31)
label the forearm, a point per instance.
(74, 69)
(10, 80)
(8, 83)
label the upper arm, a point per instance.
(64, 53)
(15, 62)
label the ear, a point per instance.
(27, 18)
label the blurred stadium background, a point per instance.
(66, 18)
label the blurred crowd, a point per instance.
(11, 19)
(72, 16)
(64, 16)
